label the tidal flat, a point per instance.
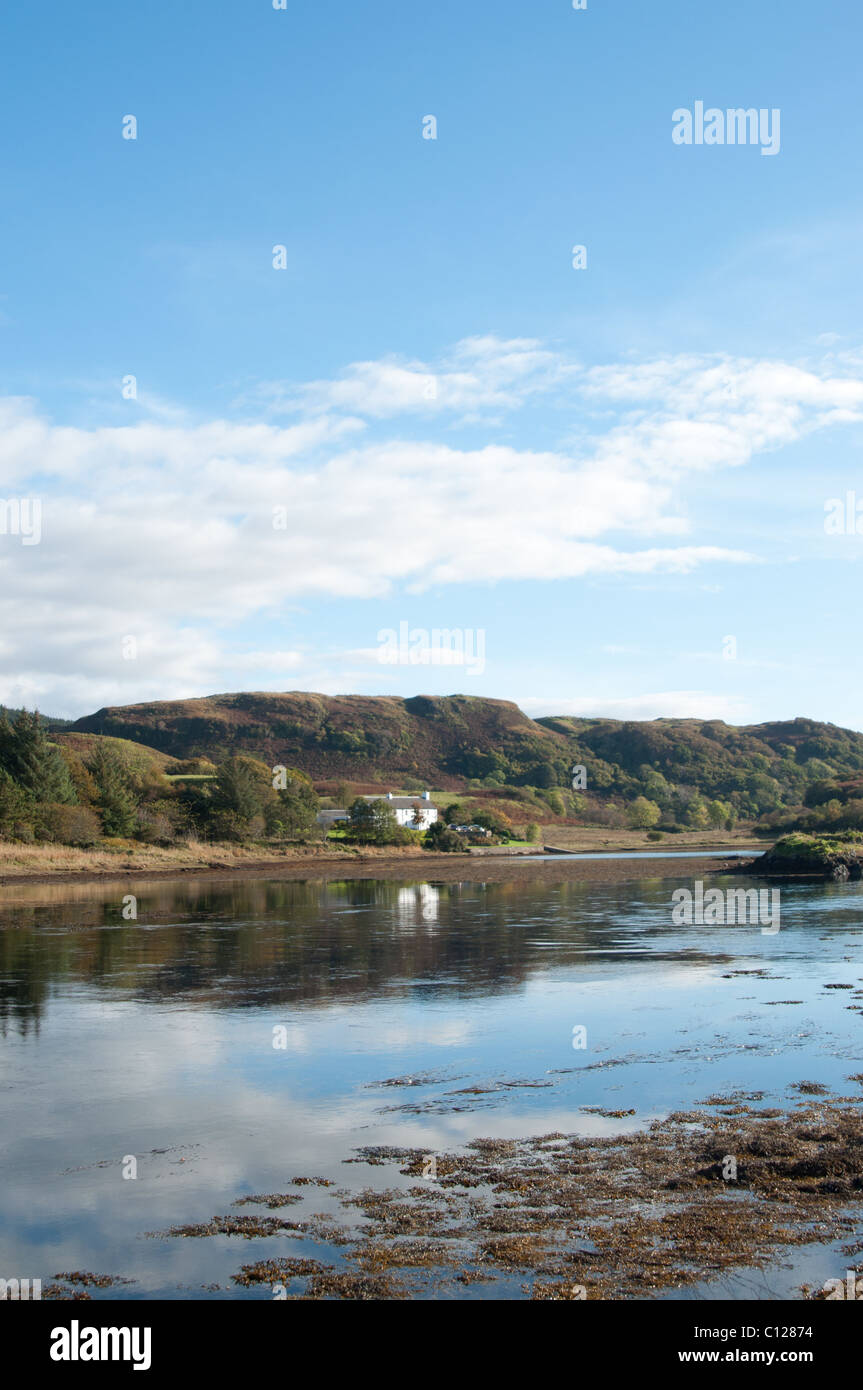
(537, 1086)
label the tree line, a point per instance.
(53, 793)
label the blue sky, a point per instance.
(607, 472)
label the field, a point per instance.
(585, 839)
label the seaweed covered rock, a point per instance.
(837, 857)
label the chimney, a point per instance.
(389, 796)
(426, 796)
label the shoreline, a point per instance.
(422, 865)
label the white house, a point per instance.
(416, 812)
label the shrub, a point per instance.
(643, 814)
(495, 821)
(374, 823)
(227, 825)
(159, 822)
(441, 837)
(194, 767)
(69, 825)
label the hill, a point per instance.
(460, 742)
(439, 740)
(758, 764)
(136, 755)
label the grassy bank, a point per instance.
(36, 861)
(587, 839)
(22, 864)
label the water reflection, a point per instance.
(250, 943)
(413, 1012)
(254, 943)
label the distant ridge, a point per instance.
(448, 741)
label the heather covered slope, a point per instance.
(437, 740)
(757, 766)
(450, 742)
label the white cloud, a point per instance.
(480, 373)
(669, 704)
(165, 530)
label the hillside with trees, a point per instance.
(646, 774)
(254, 767)
(80, 789)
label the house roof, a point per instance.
(404, 803)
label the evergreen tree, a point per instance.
(16, 808)
(7, 736)
(114, 799)
(36, 765)
(294, 812)
(244, 787)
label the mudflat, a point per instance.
(438, 868)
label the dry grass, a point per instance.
(119, 856)
(587, 839)
(26, 860)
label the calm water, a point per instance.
(155, 1039)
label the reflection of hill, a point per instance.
(263, 943)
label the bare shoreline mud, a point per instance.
(437, 868)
